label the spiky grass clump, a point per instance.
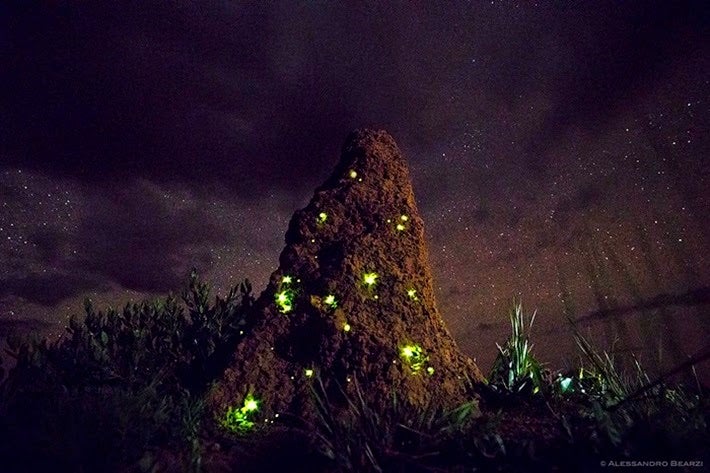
(515, 369)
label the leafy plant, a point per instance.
(132, 379)
(515, 369)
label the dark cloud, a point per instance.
(620, 51)
(252, 95)
(49, 288)
(582, 199)
(133, 237)
(136, 235)
(22, 326)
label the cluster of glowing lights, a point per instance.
(285, 297)
(414, 356)
(308, 372)
(370, 279)
(330, 301)
(322, 218)
(240, 420)
(412, 294)
(403, 219)
(284, 300)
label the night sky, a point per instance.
(559, 152)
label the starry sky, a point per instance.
(558, 152)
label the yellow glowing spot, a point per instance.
(284, 300)
(370, 278)
(412, 294)
(330, 301)
(414, 355)
(250, 404)
(404, 218)
(400, 227)
(287, 280)
(322, 217)
(430, 370)
(346, 327)
(353, 174)
(308, 373)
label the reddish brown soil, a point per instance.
(366, 198)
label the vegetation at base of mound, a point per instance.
(123, 391)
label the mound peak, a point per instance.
(352, 300)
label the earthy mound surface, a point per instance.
(352, 301)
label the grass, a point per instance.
(125, 392)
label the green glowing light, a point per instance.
(400, 227)
(240, 420)
(330, 301)
(322, 217)
(430, 370)
(353, 174)
(346, 327)
(370, 278)
(287, 280)
(412, 294)
(414, 355)
(284, 300)
(404, 218)
(308, 373)
(250, 404)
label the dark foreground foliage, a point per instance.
(124, 392)
(119, 384)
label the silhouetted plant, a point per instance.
(515, 369)
(122, 380)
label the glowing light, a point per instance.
(414, 355)
(284, 300)
(430, 370)
(404, 218)
(330, 301)
(250, 404)
(322, 217)
(308, 373)
(287, 280)
(412, 294)
(370, 279)
(353, 174)
(400, 227)
(346, 327)
(240, 420)
(566, 385)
